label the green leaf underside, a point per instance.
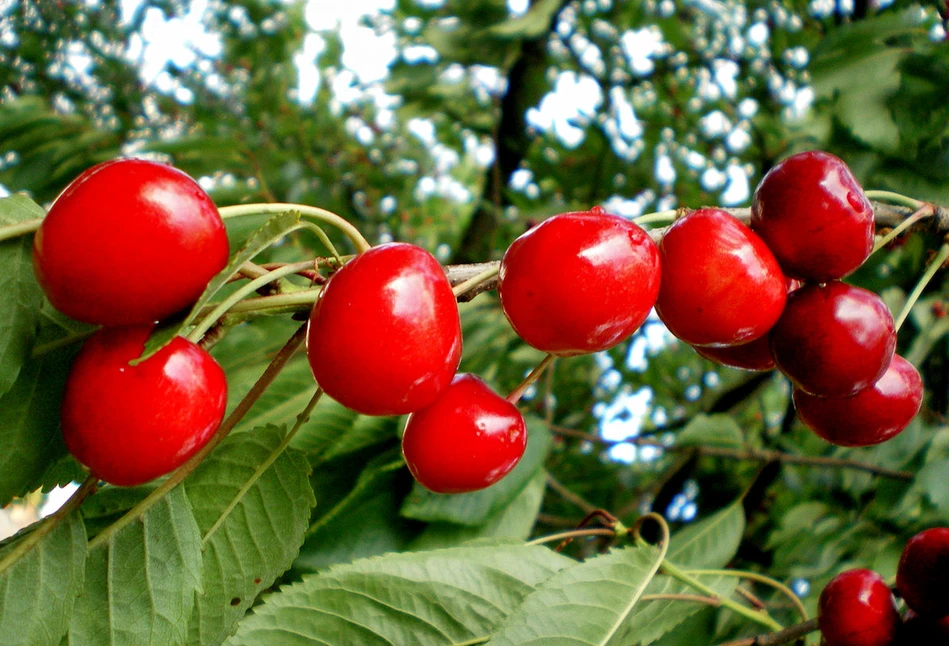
(271, 231)
(590, 603)
(477, 507)
(20, 294)
(260, 534)
(140, 584)
(711, 542)
(437, 597)
(711, 430)
(38, 592)
(650, 620)
(29, 424)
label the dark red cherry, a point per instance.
(922, 576)
(923, 631)
(579, 282)
(871, 416)
(833, 340)
(129, 242)
(130, 424)
(754, 355)
(467, 439)
(721, 285)
(814, 216)
(856, 609)
(384, 337)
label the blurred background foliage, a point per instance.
(456, 125)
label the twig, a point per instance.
(569, 495)
(786, 636)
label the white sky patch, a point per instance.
(737, 188)
(574, 97)
(640, 47)
(518, 7)
(176, 40)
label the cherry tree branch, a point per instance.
(786, 636)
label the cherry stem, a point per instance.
(19, 228)
(48, 524)
(224, 306)
(786, 636)
(321, 234)
(475, 280)
(760, 578)
(314, 212)
(659, 216)
(278, 363)
(573, 533)
(925, 211)
(894, 198)
(934, 266)
(529, 380)
(302, 419)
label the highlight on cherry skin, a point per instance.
(130, 424)
(129, 242)
(466, 440)
(579, 282)
(384, 338)
(856, 608)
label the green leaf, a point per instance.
(477, 507)
(711, 430)
(437, 597)
(37, 593)
(590, 603)
(711, 542)
(652, 619)
(272, 230)
(141, 582)
(29, 424)
(251, 499)
(20, 294)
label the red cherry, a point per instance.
(871, 416)
(856, 609)
(579, 282)
(922, 576)
(814, 216)
(754, 356)
(833, 340)
(130, 424)
(385, 337)
(721, 285)
(466, 440)
(923, 631)
(129, 242)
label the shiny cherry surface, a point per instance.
(129, 242)
(871, 416)
(579, 282)
(814, 216)
(721, 285)
(384, 337)
(833, 340)
(922, 576)
(130, 424)
(856, 609)
(466, 440)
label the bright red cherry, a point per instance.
(466, 440)
(922, 576)
(871, 416)
(385, 337)
(833, 340)
(814, 216)
(579, 282)
(721, 285)
(857, 609)
(129, 424)
(754, 356)
(129, 242)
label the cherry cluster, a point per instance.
(857, 607)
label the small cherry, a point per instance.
(833, 340)
(130, 424)
(856, 609)
(129, 242)
(579, 282)
(721, 285)
(873, 415)
(384, 337)
(922, 576)
(814, 216)
(466, 440)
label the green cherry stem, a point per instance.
(925, 211)
(23, 547)
(534, 375)
(18, 229)
(219, 310)
(475, 280)
(243, 406)
(657, 217)
(314, 212)
(893, 198)
(573, 533)
(934, 266)
(760, 578)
